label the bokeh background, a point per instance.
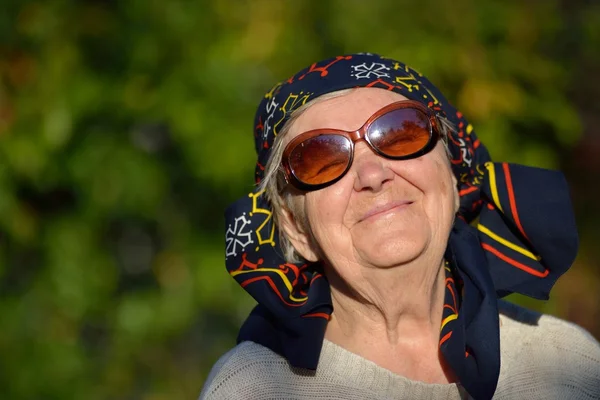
(126, 128)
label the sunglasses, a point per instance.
(320, 157)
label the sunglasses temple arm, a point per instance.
(282, 178)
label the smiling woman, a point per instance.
(384, 211)
(388, 288)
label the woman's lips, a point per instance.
(384, 208)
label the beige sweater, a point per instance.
(542, 357)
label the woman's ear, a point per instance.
(456, 196)
(298, 235)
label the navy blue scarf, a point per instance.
(525, 237)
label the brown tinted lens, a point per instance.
(401, 132)
(320, 159)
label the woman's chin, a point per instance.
(392, 253)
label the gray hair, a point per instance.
(282, 198)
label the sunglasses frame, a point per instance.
(354, 136)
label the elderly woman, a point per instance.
(397, 238)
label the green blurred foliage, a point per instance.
(126, 128)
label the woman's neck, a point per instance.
(392, 317)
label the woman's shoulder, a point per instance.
(546, 355)
(543, 329)
(238, 373)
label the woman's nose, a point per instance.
(371, 170)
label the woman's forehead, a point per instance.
(348, 111)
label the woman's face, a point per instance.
(383, 212)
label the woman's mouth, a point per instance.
(385, 208)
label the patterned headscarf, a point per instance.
(524, 240)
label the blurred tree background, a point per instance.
(126, 129)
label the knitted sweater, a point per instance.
(542, 357)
